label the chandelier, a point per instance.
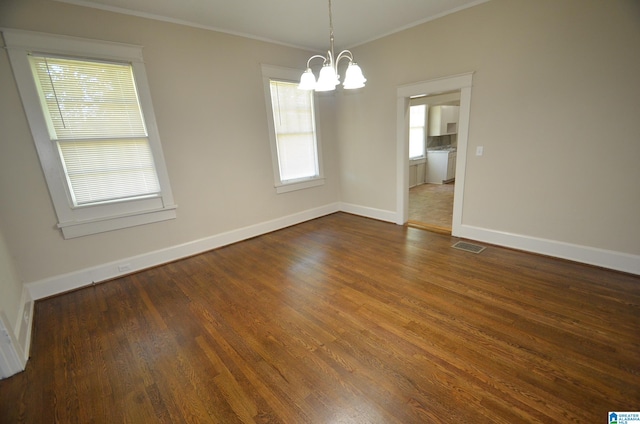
(329, 77)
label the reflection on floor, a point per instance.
(431, 205)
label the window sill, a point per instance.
(84, 228)
(299, 185)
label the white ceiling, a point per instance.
(299, 23)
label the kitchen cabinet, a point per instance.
(443, 120)
(441, 166)
(451, 167)
(417, 172)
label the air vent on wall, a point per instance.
(468, 247)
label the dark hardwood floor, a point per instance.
(338, 320)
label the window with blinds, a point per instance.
(88, 105)
(94, 117)
(417, 122)
(295, 131)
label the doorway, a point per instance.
(405, 93)
(433, 142)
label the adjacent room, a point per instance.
(207, 211)
(433, 148)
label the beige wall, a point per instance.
(555, 103)
(209, 101)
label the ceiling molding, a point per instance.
(303, 26)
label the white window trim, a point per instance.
(92, 219)
(269, 73)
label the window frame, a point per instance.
(283, 74)
(77, 221)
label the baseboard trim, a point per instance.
(75, 280)
(379, 214)
(24, 323)
(11, 356)
(588, 255)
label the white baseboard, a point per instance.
(589, 255)
(24, 323)
(74, 280)
(63, 283)
(11, 356)
(379, 214)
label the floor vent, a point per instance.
(468, 247)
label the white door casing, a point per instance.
(461, 82)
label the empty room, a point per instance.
(205, 211)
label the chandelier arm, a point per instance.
(344, 54)
(329, 58)
(315, 56)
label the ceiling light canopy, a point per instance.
(329, 77)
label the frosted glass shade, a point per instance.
(354, 78)
(307, 80)
(328, 79)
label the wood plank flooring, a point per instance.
(338, 320)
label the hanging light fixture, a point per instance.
(329, 77)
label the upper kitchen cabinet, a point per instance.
(443, 120)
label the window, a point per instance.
(94, 118)
(293, 134)
(417, 115)
(89, 110)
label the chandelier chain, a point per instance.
(330, 21)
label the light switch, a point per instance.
(479, 150)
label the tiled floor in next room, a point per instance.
(431, 204)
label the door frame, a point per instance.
(462, 83)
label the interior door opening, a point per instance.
(460, 84)
(433, 142)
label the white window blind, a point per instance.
(93, 115)
(103, 170)
(294, 124)
(417, 115)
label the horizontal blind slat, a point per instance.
(105, 170)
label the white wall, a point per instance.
(209, 102)
(555, 103)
